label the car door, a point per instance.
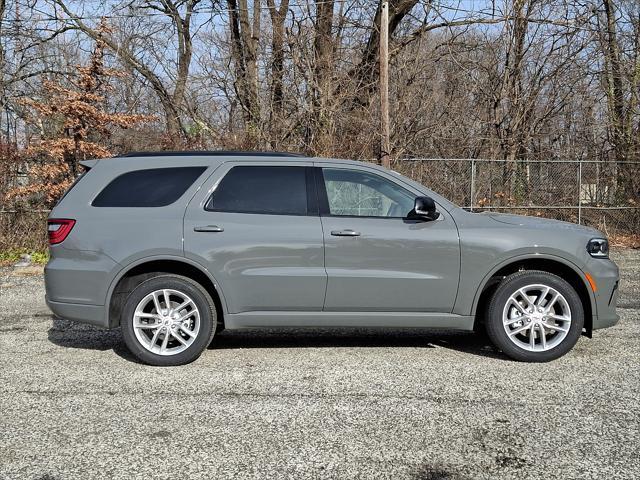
(256, 229)
(376, 259)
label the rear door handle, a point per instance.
(208, 228)
(345, 233)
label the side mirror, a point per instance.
(424, 208)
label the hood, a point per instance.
(538, 222)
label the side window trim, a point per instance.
(313, 206)
(311, 190)
(323, 199)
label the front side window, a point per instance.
(363, 194)
(274, 190)
(154, 187)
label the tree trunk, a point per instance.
(615, 89)
(244, 51)
(3, 6)
(184, 53)
(620, 112)
(509, 105)
(323, 71)
(278, 16)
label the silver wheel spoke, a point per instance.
(542, 296)
(543, 336)
(511, 321)
(167, 302)
(185, 316)
(182, 306)
(532, 338)
(154, 340)
(518, 330)
(555, 327)
(516, 304)
(526, 298)
(165, 340)
(178, 337)
(187, 331)
(156, 303)
(553, 300)
(138, 324)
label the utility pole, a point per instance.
(385, 159)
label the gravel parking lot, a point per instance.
(313, 404)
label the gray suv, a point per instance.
(174, 247)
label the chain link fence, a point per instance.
(23, 230)
(599, 194)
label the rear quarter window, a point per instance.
(154, 187)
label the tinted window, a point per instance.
(155, 187)
(362, 194)
(258, 189)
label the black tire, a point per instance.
(515, 281)
(203, 302)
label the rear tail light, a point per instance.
(58, 229)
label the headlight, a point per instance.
(598, 247)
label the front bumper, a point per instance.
(606, 276)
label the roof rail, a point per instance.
(227, 153)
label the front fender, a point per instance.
(469, 296)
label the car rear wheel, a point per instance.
(534, 316)
(168, 320)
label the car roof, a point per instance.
(207, 153)
(174, 158)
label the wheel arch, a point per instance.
(129, 277)
(548, 263)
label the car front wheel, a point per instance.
(168, 320)
(535, 316)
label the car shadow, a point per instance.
(466, 342)
(67, 334)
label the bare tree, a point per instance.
(366, 70)
(323, 73)
(172, 99)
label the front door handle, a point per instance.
(345, 233)
(208, 228)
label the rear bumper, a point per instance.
(76, 283)
(91, 314)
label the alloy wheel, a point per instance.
(166, 322)
(536, 317)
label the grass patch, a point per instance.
(9, 257)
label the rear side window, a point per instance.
(275, 190)
(154, 187)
